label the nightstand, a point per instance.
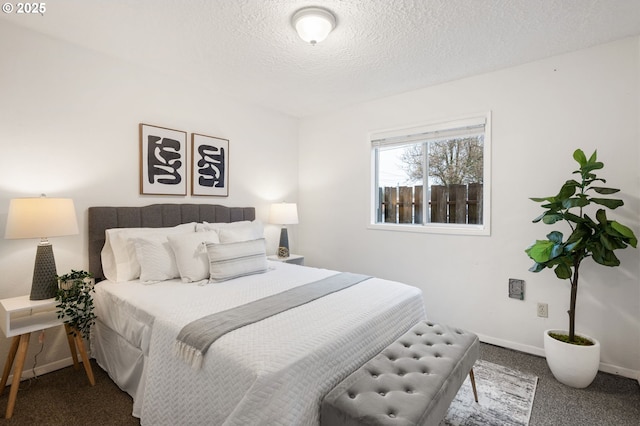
(295, 259)
(21, 317)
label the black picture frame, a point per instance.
(163, 161)
(209, 166)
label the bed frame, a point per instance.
(153, 216)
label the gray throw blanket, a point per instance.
(194, 339)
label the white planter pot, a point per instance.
(573, 365)
(66, 285)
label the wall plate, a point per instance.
(516, 288)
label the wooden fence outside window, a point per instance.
(448, 204)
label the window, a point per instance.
(433, 178)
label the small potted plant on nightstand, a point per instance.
(75, 303)
(574, 359)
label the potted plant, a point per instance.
(595, 237)
(75, 303)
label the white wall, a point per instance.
(542, 112)
(69, 128)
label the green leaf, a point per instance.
(551, 218)
(579, 156)
(573, 218)
(608, 258)
(575, 202)
(563, 271)
(567, 191)
(626, 232)
(540, 251)
(601, 216)
(601, 190)
(537, 219)
(588, 168)
(609, 203)
(537, 267)
(555, 236)
(594, 156)
(539, 200)
(610, 243)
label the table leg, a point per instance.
(85, 358)
(17, 372)
(7, 366)
(72, 345)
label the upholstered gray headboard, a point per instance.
(153, 216)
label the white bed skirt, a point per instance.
(124, 362)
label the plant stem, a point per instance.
(572, 303)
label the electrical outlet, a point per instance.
(543, 310)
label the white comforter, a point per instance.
(273, 372)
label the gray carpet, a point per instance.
(609, 400)
(64, 397)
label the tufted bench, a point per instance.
(411, 382)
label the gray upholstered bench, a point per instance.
(411, 382)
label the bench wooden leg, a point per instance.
(473, 385)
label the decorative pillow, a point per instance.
(157, 262)
(191, 256)
(235, 231)
(119, 260)
(233, 260)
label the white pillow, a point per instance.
(235, 231)
(191, 256)
(233, 260)
(157, 262)
(208, 226)
(119, 260)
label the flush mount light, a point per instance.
(313, 24)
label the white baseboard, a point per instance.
(44, 369)
(533, 350)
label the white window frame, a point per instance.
(413, 133)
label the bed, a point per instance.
(274, 371)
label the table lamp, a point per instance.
(42, 217)
(284, 214)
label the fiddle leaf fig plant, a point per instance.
(594, 236)
(75, 303)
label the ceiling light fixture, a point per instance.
(313, 24)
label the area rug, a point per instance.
(505, 398)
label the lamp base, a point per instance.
(283, 247)
(44, 284)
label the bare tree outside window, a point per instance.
(451, 161)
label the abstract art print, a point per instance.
(209, 165)
(163, 161)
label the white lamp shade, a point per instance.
(41, 217)
(313, 24)
(284, 214)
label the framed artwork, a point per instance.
(209, 165)
(163, 161)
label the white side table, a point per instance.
(21, 317)
(295, 259)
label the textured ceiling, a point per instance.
(247, 48)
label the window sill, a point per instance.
(431, 228)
